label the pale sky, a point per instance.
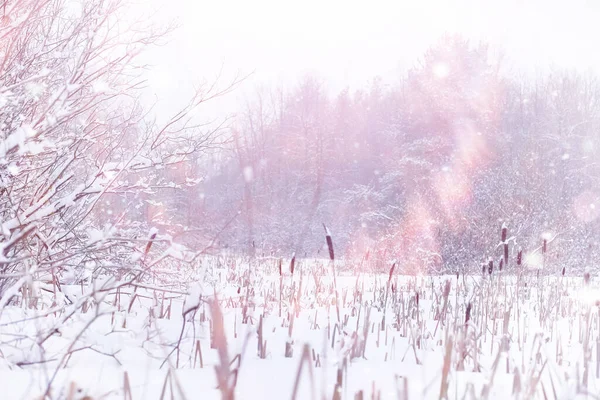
(347, 43)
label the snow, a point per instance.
(13, 169)
(192, 300)
(122, 337)
(16, 139)
(100, 87)
(35, 89)
(134, 257)
(95, 235)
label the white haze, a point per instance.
(347, 43)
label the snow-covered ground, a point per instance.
(394, 337)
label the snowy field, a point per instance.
(144, 165)
(251, 332)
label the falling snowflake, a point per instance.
(248, 173)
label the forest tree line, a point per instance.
(424, 171)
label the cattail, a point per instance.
(519, 257)
(417, 298)
(152, 237)
(544, 246)
(468, 313)
(456, 275)
(491, 267)
(329, 242)
(586, 278)
(391, 272)
(563, 271)
(293, 263)
(504, 231)
(516, 382)
(483, 269)
(280, 269)
(500, 265)
(447, 288)
(506, 254)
